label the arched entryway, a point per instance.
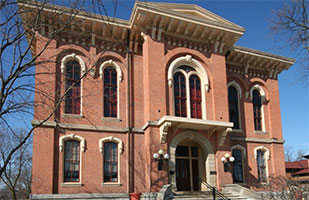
(192, 157)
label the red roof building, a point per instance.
(299, 169)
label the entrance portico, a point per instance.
(191, 158)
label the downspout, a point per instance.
(129, 171)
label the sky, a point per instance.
(255, 16)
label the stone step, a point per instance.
(204, 195)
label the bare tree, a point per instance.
(17, 60)
(288, 154)
(17, 175)
(285, 188)
(292, 22)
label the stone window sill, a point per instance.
(111, 184)
(111, 119)
(74, 116)
(260, 132)
(237, 130)
(71, 184)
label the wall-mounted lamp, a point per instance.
(227, 160)
(160, 157)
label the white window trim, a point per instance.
(266, 157)
(239, 95)
(120, 151)
(75, 57)
(243, 157)
(82, 148)
(263, 98)
(111, 63)
(200, 72)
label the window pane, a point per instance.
(238, 166)
(110, 162)
(257, 105)
(194, 152)
(72, 86)
(71, 161)
(233, 106)
(195, 96)
(182, 151)
(261, 166)
(180, 95)
(110, 92)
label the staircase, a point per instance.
(204, 196)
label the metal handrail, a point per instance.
(214, 191)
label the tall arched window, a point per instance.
(233, 106)
(257, 107)
(110, 92)
(110, 162)
(195, 96)
(261, 166)
(71, 161)
(72, 86)
(238, 166)
(189, 80)
(180, 96)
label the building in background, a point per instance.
(164, 98)
(298, 170)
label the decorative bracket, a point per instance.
(163, 131)
(223, 135)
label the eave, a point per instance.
(211, 126)
(248, 58)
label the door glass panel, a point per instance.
(194, 152)
(182, 151)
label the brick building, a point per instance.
(164, 98)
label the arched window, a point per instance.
(110, 162)
(73, 87)
(180, 96)
(195, 97)
(111, 148)
(238, 166)
(71, 161)
(72, 146)
(261, 166)
(190, 81)
(257, 107)
(110, 92)
(262, 156)
(233, 106)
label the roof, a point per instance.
(300, 164)
(302, 167)
(187, 21)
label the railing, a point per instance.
(214, 191)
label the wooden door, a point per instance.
(183, 174)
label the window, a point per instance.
(110, 92)
(72, 146)
(233, 106)
(111, 74)
(262, 156)
(71, 161)
(238, 166)
(110, 162)
(261, 166)
(72, 87)
(257, 106)
(190, 81)
(180, 93)
(111, 148)
(195, 97)
(180, 96)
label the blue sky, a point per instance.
(255, 17)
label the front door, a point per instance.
(187, 172)
(183, 174)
